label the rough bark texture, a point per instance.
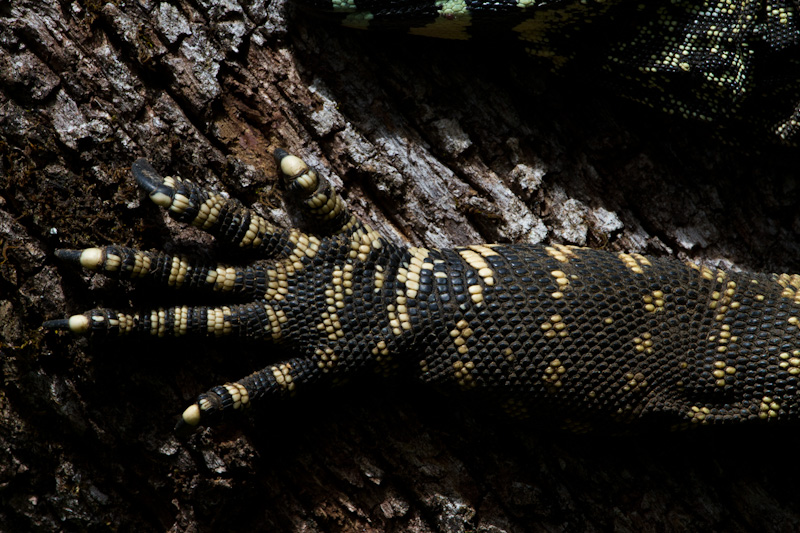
(434, 142)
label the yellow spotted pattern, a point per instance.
(577, 337)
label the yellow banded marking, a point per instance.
(161, 199)
(277, 282)
(331, 325)
(340, 286)
(180, 324)
(325, 206)
(276, 318)
(363, 240)
(654, 302)
(178, 269)
(283, 376)
(769, 408)
(161, 322)
(218, 321)
(393, 322)
(721, 371)
(562, 283)
(208, 212)
(460, 334)
(122, 321)
(327, 358)
(239, 395)
(408, 275)
(790, 362)
(462, 369)
(463, 373)
(154, 322)
(561, 253)
(644, 344)
(722, 302)
(380, 350)
(256, 231)
(179, 202)
(791, 287)
(553, 373)
(634, 262)
(127, 323)
(141, 265)
(475, 256)
(292, 165)
(386, 365)
(223, 278)
(378, 278)
(554, 327)
(709, 274)
(112, 262)
(698, 414)
(304, 246)
(634, 382)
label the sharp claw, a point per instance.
(69, 256)
(278, 154)
(182, 429)
(62, 323)
(152, 182)
(146, 176)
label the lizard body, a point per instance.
(583, 336)
(713, 61)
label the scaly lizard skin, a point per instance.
(714, 60)
(583, 337)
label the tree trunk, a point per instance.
(435, 143)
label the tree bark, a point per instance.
(434, 143)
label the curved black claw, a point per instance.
(146, 176)
(162, 191)
(69, 256)
(62, 323)
(279, 154)
(183, 429)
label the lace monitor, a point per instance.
(733, 63)
(584, 337)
